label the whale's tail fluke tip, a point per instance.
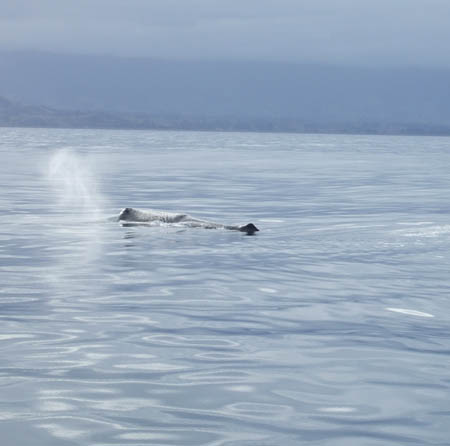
(250, 229)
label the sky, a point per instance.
(342, 32)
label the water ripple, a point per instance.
(329, 327)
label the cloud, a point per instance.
(360, 32)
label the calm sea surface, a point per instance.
(330, 327)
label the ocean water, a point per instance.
(329, 327)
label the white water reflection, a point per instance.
(410, 312)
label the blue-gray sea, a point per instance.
(329, 327)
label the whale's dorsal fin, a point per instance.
(250, 229)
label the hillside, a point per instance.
(314, 94)
(57, 90)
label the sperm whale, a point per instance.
(147, 216)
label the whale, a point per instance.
(133, 216)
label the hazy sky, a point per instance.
(357, 32)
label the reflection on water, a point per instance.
(330, 326)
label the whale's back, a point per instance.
(132, 216)
(136, 215)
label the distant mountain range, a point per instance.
(52, 90)
(17, 115)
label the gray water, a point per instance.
(328, 327)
